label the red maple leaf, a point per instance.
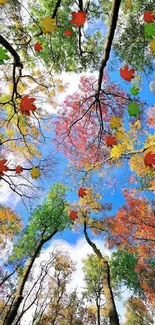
(149, 159)
(148, 16)
(19, 169)
(38, 47)
(79, 18)
(3, 167)
(26, 105)
(73, 215)
(82, 192)
(111, 140)
(68, 33)
(127, 74)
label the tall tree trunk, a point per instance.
(98, 313)
(18, 295)
(110, 303)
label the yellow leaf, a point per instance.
(49, 25)
(152, 46)
(117, 151)
(35, 172)
(115, 122)
(137, 124)
(3, 2)
(128, 4)
(10, 133)
(60, 88)
(119, 135)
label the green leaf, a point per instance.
(134, 91)
(3, 55)
(150, 30)
(133, 109)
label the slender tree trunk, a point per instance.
(98, 313)
(19, 292)
(110, 303)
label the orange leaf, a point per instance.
(38, 47)
(111, 140)
(3, 167)
(79, 18)
(26, 105)
(127, 74)
(19, 169)
(82, 192)
(68, 33)
(73, 215)
(148, 16)
(149, 159)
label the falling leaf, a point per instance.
(3, 55)
(119, 135)
(126, 73)
(35, 172)
(111, 140)
(26, 105)
(133, 109)
(73, 215)
(82, 192)
(148, 16)
(152, 46)
(3, 167)
(128, 4)
(68, 32)
(149, 30)
(149, 159)
(3, 2)
(134, 91)
(79, 18)
(19, 169)
(115, 122)
(117, 151)
(38, 47)
(49, 25)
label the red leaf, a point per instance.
(111, 140)
(26, 105)
(19, 169)
(148, 16)
(79, 18)
(38, 47)
(3, 167)
(73, 215)
(68, 33)
(127, 74)
(149, 159)
(82, 192)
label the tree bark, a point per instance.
(110, 303)
(19, 292)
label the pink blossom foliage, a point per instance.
(80, 133)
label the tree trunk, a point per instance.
(18, 296)
(110, 303)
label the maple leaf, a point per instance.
(82, 192)
(79, 18)
(3, 55)
(150, 30)
(117, 151)
(111, 140)
(115, 122)
(38, 47)
(73, 215)
(133, 109)
(26, 105)
(148, 16)
(152, 46)
(126, 73)
(149, 159)
(3, 167)
(128, 4)
(119, 135)
(35, 172)
(3, 2)
(134, 91)
(49, 25)
(19, 169)
(68, 32)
